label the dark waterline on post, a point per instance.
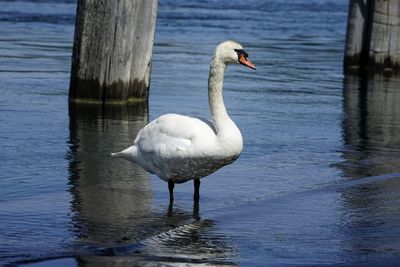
(372, 41)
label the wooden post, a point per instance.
(385, 36)
(373, 36)
(356, 51)
(112, 52)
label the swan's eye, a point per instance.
(241, 52)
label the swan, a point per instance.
(180, 148)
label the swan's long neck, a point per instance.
(219, 115)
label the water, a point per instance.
(317, 183)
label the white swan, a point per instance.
(179, 148)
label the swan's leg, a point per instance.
(196, 210)
(171, 185)
(196, 195)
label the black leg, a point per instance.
(196, 210)
(196, 195)
(171, 185)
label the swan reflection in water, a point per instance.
(371, 132)
(112, 201)
(190, 241)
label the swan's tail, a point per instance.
(128, 154)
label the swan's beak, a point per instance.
(244, 61)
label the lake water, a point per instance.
(318, 181)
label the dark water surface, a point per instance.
(318, 181)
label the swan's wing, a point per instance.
(171, 134)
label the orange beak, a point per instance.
(244, 61)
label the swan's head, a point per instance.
(231, 52)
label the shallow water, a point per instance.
(317, 183)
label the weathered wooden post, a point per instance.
(356, 52)
(373, 36)
(112, 52)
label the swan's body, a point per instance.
(179, 148)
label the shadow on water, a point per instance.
(113, 216)
(371, 131)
